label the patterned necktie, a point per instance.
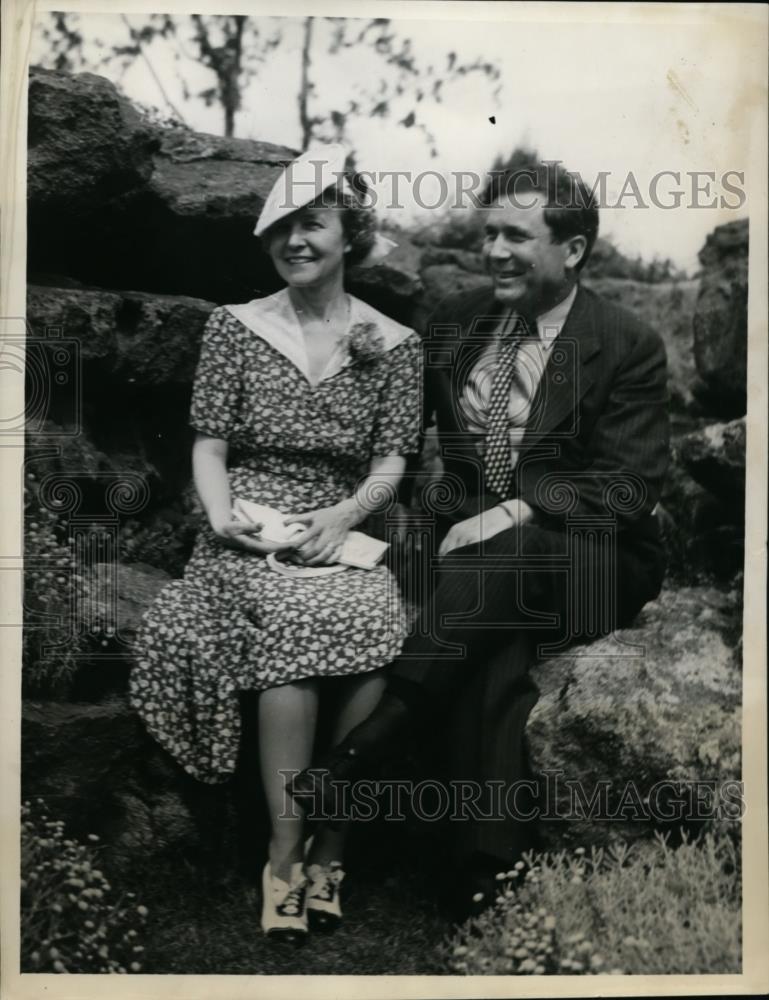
(497, 461)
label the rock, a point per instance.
(86, 147)
(132, 338)
(720, 321)
(122, 203)
(390, 289)
(99, 771)
(715, 457)
(668, 308)
(704, 498)
(164, 538)
(134, 586)
(702, 501)
(127, 384)
(658, 701)
(700, 536)
(80, 480)
(726, 243)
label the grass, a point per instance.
(205, 925)
(648, 909)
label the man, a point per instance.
(551, 407)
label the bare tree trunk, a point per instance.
(225, 61)
(305, 85)
(231, 89)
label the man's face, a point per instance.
(531, 272)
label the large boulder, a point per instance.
(715, 457)
(121, 399)
(721, 321)
(657, 702)
(702, 538)
(86, 147)
(128, 337)
(703, 502)
(119, 202)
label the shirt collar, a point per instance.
(550, 323)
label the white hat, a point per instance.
(303, 181)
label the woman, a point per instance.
(306, 401)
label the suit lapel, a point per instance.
(476, 330)
(567, 375)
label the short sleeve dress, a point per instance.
(232, 623)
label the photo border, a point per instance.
(743, 20)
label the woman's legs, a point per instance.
(360, 695)
(287, 720)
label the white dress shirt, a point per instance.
(532, 356)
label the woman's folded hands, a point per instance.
(324, 533)
(237, 533)
(319, 543)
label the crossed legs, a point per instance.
(287, 723)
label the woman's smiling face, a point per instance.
(308, 246)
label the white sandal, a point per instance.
(324, 911)
(284, 905)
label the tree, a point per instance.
(235, 47)
(232, 46)
(406, 80)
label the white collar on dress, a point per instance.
(274, 320)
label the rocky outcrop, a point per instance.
(657, 702)
(87, 147)
(99, 771)
(117, 202)
(122, 397)
(123, 337)
(715, 457)
(668, 308)
(703, 501)
(721, 321)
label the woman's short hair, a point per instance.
(358, 219)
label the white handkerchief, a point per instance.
(359, 549)
(271, 520)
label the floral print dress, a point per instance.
(232, 623)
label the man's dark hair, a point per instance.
(570, 209)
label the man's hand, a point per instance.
(485, 525)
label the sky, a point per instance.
(637, 94)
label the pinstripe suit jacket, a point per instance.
(596, 444)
